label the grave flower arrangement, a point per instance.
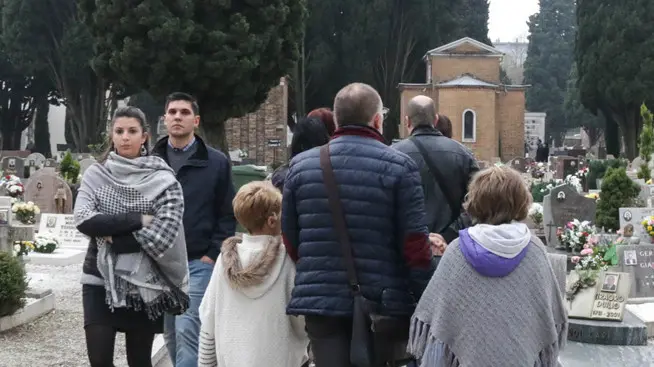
(593, 195)
(648, 226)
(22, 248)
(12, 186)
(542, 188)
(45, 243)
(595, 257)
(575, 182)
(583, 172)
(536, 214)
(538, 170)
(577, 236)
(26, 212)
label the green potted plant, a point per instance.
(13, 284)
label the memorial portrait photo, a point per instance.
(630, 258)
(4, 217)
(52, 222)
(610, 282)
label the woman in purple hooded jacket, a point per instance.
(494, 300)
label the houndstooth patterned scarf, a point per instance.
(156, 278)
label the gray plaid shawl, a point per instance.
(155, 279)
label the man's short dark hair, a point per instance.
(356, 104)
(181, 96)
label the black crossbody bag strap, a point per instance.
(440, 180)
(338, 217)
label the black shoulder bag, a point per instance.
(377, 340)
(440, 180)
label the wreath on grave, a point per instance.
(26, 212)
(45, 244)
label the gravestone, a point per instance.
(51, 163)
(79, 156)
(630, 331)
(86, 163)
(566, 166)
(35, 160)
(634, 216)
(605, 301)
(562, 205)
(62, 227)
(519, 164)
(577, 152)
(598, 315)
(41, 189)
(15, 153)
(5, 210)
(638, 262)
(13, 166)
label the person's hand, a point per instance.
(146, 219)
(207, 260)
(438, 244)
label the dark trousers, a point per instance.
(330, 340)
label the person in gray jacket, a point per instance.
(446, 167)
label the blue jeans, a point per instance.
(182, 333)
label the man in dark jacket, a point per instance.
(206, 178)
(383, 203)
(454, 161)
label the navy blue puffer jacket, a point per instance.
(382, 197)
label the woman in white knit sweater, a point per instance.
(243, 312)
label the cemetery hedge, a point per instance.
(618, 191)
(597, 168)
(13, 284)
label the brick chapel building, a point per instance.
(262, 135)
(463, 78)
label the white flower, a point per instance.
(37, 210)
(17, 248)
(535, 209)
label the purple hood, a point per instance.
(495, 251)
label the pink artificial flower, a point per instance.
(586, 245)
(586, 251)
(619, 231)
(575, 259)
(593, 240)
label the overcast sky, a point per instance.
(508, 19)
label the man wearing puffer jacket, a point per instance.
(382, 198)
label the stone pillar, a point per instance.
(5, 243)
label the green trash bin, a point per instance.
(242, 175)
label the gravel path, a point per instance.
(56, 339)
